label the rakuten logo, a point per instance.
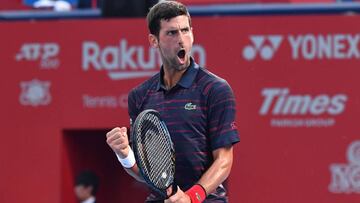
(126, 61)
(279, 102)
(265, 46)
(305, 46)
(345, 177)
(46, 53)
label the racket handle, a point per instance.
(174, 189)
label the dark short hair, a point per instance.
(164, 10)
(88, 178)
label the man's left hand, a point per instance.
(178, 197)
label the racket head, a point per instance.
(154, 151)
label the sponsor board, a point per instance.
(44, 53)
(126, 61)
(35, 93)
(287, 109)
(310, 46)
(108, 101)
(345, 178)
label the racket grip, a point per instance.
(174, 189)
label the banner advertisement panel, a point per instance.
(295, 79)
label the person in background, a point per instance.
(126, 8)
(86, 186)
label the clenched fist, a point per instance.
(118, 140)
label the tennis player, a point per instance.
(197, 106)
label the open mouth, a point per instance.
(181, 54)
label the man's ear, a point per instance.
(192, 35)
(153, 41)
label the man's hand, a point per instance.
(117, 139)
(178, 197)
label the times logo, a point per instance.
(287, 109)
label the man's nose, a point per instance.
(181, 38)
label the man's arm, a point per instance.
(118, 141)
(134, 172)
(219, 170)
(213, 177)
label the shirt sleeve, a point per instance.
(222, 129)
(132, 107)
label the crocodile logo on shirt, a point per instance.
(189, 106)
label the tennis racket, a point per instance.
(154, 152)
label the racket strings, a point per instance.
(156, 154)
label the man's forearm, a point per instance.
(218, 171)
(135, 173)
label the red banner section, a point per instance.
(295, 78)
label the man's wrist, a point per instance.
(197, 193)
(128, 161)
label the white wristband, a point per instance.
(128, 161)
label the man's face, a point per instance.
(82, 192)
(175, 42)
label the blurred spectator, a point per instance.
(56, 5)
(86, 186)
(87, 4)
(13, 5)
(126, 8)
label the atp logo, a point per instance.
(44, 53)
(263, 45)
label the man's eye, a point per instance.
(185, 30)
(172, 32)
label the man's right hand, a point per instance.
(118, 141)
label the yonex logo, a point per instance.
(265, 46)
(164, 175)
(190, 106)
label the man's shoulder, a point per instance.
(209, 80)
(147, 85)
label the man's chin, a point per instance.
(184, 63)
(183, 66)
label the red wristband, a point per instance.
(196, 193)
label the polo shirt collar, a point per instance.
(186, 79)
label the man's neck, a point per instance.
(89, 200)
(172, 77)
